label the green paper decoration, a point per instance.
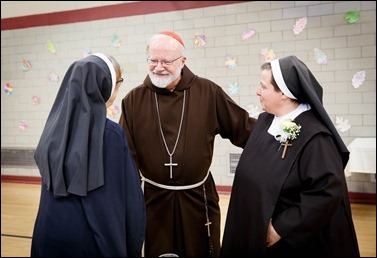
(352, 17)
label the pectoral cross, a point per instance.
(171, 164)
(286, 144)
(207, 225)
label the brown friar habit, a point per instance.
(305, 194)
(176, 218)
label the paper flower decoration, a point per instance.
(22, 125)
(253, 110)
(267, 54)
(231, 62)
(8, 88)
(200, 40)
(247, 34)
(35, 100)
(53, 77)
(320, 56)
(341, 124)
(26, 65)
(115, 41)
(112, 111)
(51, 47)
(86, 52)
(358, 79)
(352, 17)
(233, 88)
(300, 25)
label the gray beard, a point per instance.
(163, 82)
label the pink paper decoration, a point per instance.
(22, 125)
(300, 25)
(247, 34)
(8, 88)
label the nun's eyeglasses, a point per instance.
(120, 80)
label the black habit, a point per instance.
(305, 194)
(309, 205)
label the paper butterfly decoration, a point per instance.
(341, 124)
(267, 54)
(35, 100)
(300, 25)
(115, 41)
(51, 47)
(247, 34)
(53, 77)
(231, 62)
(22, 125)
(253, 110)
(200, 40)
(8, 88)
(26, 65)
(320, 56)
(233, 88)
(358, 79)
(352, 17)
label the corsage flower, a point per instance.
(289, 131)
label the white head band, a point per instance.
(278, 76)
(111, 68)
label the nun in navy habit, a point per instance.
(289, 197)
(91, 202)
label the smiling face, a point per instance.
(271, 98)
(165, 61)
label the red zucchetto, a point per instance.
(173, 35)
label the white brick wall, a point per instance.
(349, 47)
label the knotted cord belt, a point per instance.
(172, 187)
(185, 187)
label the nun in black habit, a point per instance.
(91, 202)
(289, 195)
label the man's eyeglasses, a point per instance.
(164, 63)
(120, 80)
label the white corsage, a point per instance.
(289, 131)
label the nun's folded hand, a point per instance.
(272, 235)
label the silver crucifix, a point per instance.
(171, 164)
